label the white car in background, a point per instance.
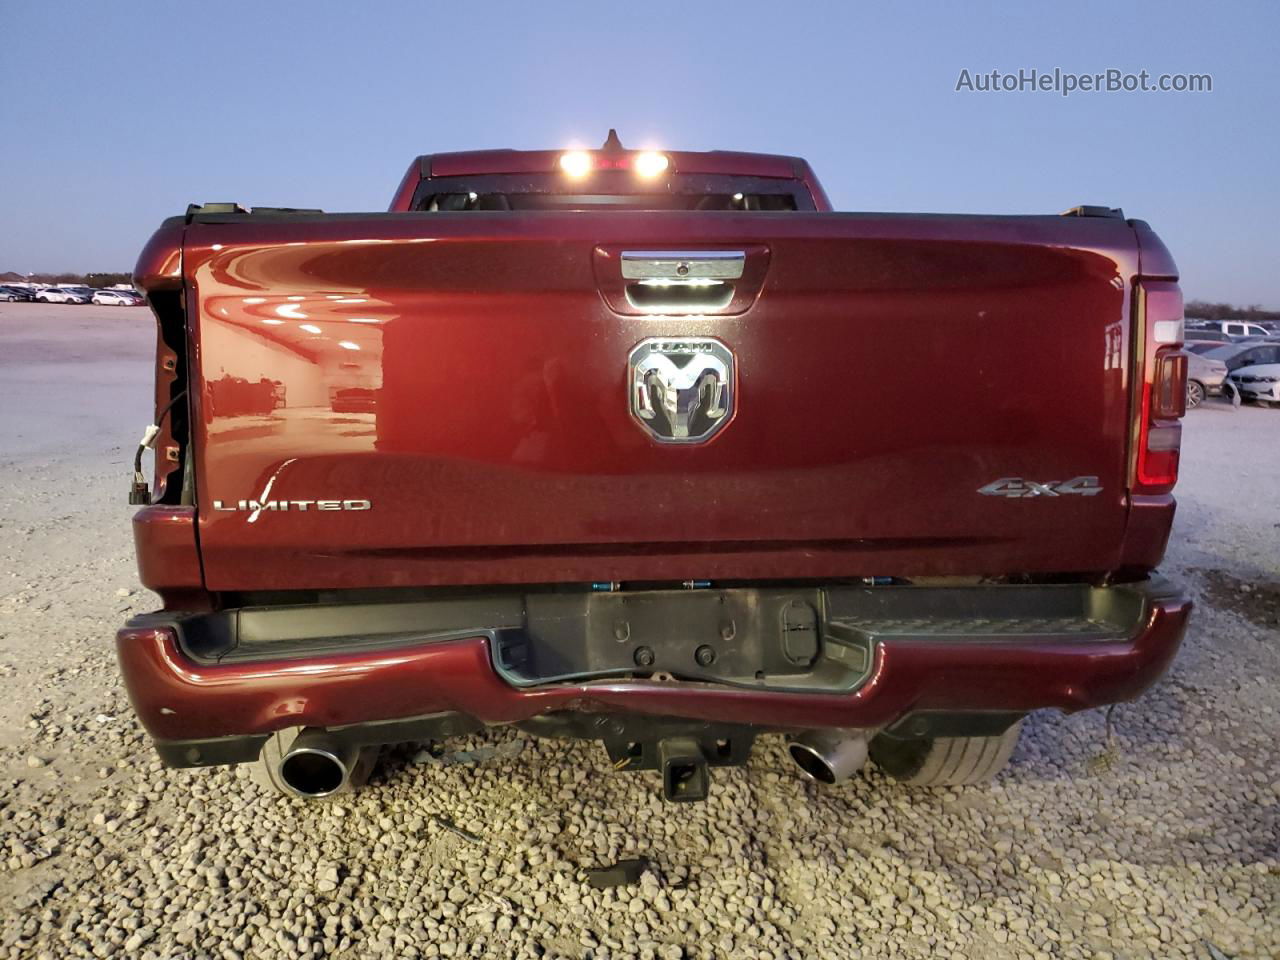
(1254, 370)
(58, 295)
(114, 298)
(1259, 382)
(1238, 328)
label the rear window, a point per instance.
(609, 190)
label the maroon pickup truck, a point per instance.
(654, 449)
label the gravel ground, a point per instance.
(1163, 844)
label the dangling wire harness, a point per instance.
(140, 492)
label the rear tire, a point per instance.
(1195, 394)
(945, 761)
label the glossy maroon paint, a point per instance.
(159, 265)
(465, 373)
(890, 367)
(178, 699)
(168, 558)
(805, 174)
(1156, 261)
(1147, 533)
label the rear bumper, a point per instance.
(211, 710)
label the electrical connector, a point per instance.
(140, 490)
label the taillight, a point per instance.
(1169, 388)
(1162, 388)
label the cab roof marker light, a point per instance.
(575, 163)
(650, 164)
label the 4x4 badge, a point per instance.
(1020, 488)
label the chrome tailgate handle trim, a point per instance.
(683, 264)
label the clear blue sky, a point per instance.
(115, 115)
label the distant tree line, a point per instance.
(88, 279)
(1203, 310)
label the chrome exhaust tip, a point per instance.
(317, 765)
(829, 756)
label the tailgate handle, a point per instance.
(662, 281)
(679, 280)
(677, 265)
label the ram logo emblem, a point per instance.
(682, 388)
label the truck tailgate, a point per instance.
(429, 399)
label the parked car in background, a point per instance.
(1204, 346)
(115, 298)
(1260, 384)
(56, 295)
(1204, 378)
(1238, 328)
(1205, 333)
(1255, 372)
(15, 294)
(1237, 355)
